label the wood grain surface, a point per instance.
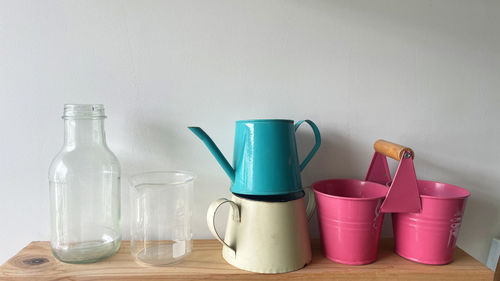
(393, 150)
(497, 271)
(35, 262)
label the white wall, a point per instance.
(422, 73)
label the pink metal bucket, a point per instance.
(430, 235)
(426, 215)
(349, 219)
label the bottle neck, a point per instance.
(84, 132)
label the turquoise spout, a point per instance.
(214, 150)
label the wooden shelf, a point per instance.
(35, 262)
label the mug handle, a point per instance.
(317, 137)
(311, 203)
(212, 210)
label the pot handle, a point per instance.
(403, 195)
(212, 210)
(393, 150)
(317, 137)
(311, 203)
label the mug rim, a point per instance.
(265, 202)
(275, 198)
(265, 191)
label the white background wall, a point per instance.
(422, 73)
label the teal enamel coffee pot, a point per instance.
(265, 160)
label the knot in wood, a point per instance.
(35, 261)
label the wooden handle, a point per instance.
(393, 150)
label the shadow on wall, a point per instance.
(482, 211)
(157, 146)
(336, 158)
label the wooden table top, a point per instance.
(35, 262)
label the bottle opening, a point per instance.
(84, 111)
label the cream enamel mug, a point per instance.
(265, 237)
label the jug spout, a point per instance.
(214, 150)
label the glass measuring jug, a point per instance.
(161, 216)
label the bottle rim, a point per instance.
(83, 111)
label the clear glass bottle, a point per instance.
(84, 180)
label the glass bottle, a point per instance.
(84, 180)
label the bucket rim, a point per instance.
(467, 193)
(316, 191)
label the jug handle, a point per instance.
(317, 137)
(311, 203)
(212, 211)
